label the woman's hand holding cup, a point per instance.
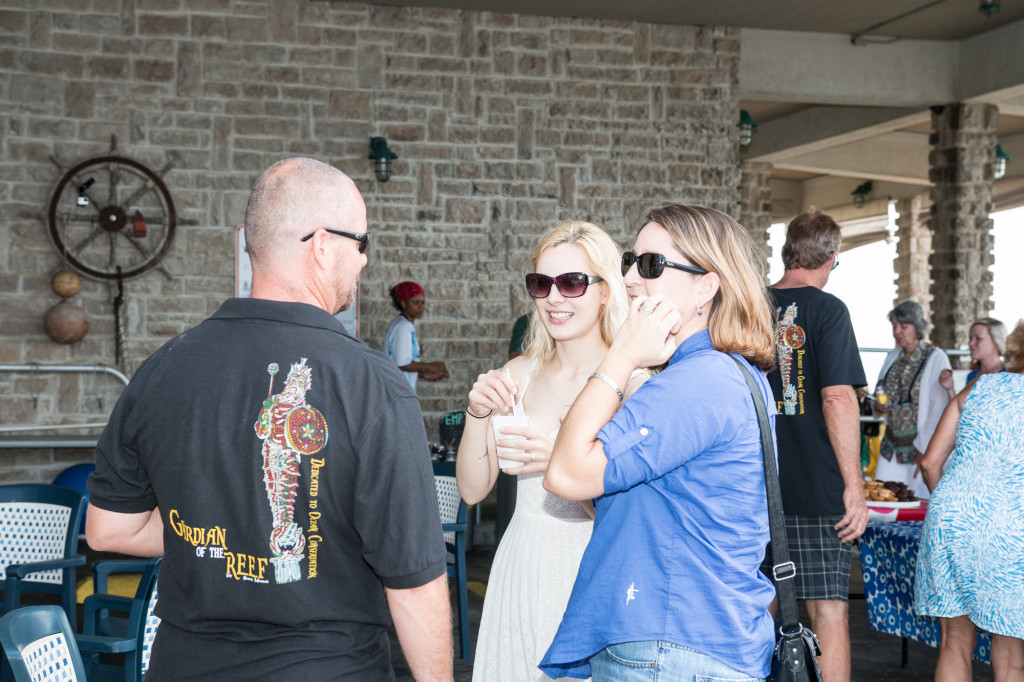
(522, 449)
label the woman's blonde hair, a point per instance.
(996, 331)
(740, 319)
(1015, 349)
(606, 260)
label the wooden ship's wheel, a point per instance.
(112, 218)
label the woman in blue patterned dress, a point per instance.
(970, 567)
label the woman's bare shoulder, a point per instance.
(636, 380)
(518, 364)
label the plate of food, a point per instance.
(889, 495)
(915, 504)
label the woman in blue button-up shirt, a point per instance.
(669, 586)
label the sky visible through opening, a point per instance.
(866, 282)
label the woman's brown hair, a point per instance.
(740, 319)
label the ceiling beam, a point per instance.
(899, 157)
(855, 173)
(819, 128)
(832, 194)
(791, 66)
(991, 65)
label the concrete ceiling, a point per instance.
(842, 89)
(916, 19)
(833, 114)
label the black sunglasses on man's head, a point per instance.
(362, 237)
(651, 265)
(570, 284)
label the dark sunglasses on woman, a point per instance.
(570, 284)
(651, 265)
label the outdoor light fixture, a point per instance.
(381, 156)
(988, 6)
(999, 168)
(861, 194)
(747, 125)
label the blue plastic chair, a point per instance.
(39, 542)
(40, 645)
(453, 523)
(132, 634)
(74, 477)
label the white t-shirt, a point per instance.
(401, 346)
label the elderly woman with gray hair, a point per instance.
(910, 377)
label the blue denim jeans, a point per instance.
(660, 662)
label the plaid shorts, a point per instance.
(822, 561)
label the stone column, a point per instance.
(914, 248)
(755, 209)
(963, 150)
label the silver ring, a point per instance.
(645, 310)
(531, 458)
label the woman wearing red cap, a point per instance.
(400, 342)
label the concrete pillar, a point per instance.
(914, 248)
(755, 210)
(963, 149)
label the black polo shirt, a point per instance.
(290, 465)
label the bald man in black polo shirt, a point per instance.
(281, 468)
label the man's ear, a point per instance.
(318, 251)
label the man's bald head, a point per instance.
(292, 198)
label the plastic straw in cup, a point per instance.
(517, 408)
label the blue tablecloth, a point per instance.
(888, 556)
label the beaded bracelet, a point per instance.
(608, 381)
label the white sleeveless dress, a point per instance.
(531, 578)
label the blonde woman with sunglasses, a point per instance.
(669, 588)
(579, 302)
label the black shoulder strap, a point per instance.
(783, 570)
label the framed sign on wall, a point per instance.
(243, 284)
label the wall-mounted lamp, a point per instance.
(999, 168)
(381, 156)
(861, 194)
(987, 7)
(747, 125)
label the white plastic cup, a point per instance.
(498, 422)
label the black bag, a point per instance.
(796, 657)
(796, 650)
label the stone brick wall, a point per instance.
(755, 207)
(963, 151)
(503, 123)
(913, 275)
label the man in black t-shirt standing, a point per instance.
(818, 432)
(280, 467)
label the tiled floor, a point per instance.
(876, 656)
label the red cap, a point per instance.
(406, 290)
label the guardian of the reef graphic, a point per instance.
(289, 427)
(788, 337)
